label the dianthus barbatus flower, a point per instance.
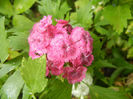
(63, 26)
(62, 44)
(62, 48)
(74, 74)
(84, 59)
(40, 37)
(83, 39)
(56, 68)
(42, 25)
(37, 45)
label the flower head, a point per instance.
(62, 44)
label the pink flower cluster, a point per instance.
(68, 49)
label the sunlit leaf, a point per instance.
(12, 87)
(22, 28)
(6, 7)
(117, 16)
(33, 73)
(22, 5)
(5, 69)
(3, 41)
(56, 8)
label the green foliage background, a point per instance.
(110, 23)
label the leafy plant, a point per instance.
(110, 24)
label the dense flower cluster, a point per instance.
(68, 49)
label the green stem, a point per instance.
(33, 96)
(41, 96)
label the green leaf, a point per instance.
(101, 30)
(22, 27)
(26, 92)
(13, 54)
(85, 19)
(57, 90)
(33, 73)
(115, 74)
(130, 28)
(130, 53)
(2, 81)
(83, 16)
(5, 69)
(22, 23)
(12, 87)
(130, 40)
(111, 43)
(19, 42)
(97, 92)
(121, 62)
(16, 61)
(97, 45)
(22, 5)
(3, 41)
(104, 63)
(98, 19)
(81, 3)
(6, 7)
(56, 8)
(117, 16)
